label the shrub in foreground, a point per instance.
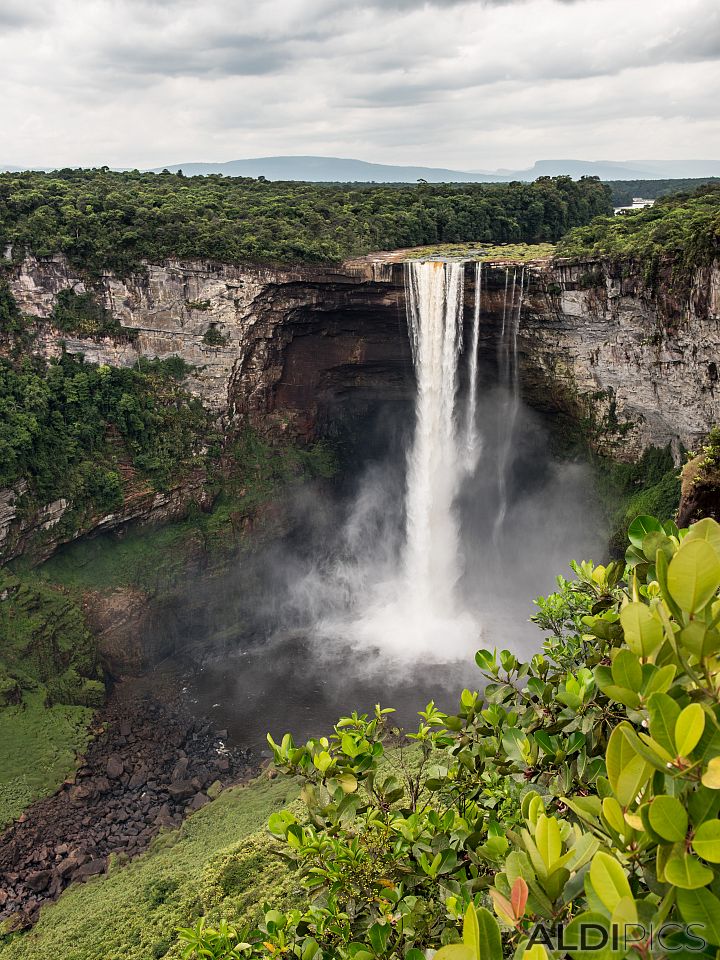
(576, 798)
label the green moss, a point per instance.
(221, 863)
(38, 749)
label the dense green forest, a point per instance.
(623, 191)
(685, 227)
(101, 219)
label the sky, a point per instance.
(468, 84)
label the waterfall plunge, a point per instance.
(419, 610)
(434, 306)
(411, 606)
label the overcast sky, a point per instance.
(471, 85)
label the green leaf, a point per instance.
(609, 880)
(693, 576)
(278, 823)
(583, 938)
(686, 872)
(628, 772)
(706, 529)
(711, 777)
(706, 842)
(641, 527)
(688, 729)
(456, 951)
(488, 944)
(348, 782)
(626, 670)
(668, 818)
(612, 811)
(703, 908)
(547, 840)
(664, 713)
(643, 632)
(536, 952)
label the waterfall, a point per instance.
(472, 439)
(510, 380)
(405, 602)
(434, 308)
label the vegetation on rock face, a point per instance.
(254, 473)
(651, 485)
(82, 314)
(579, 792)
(683, 227)
(75, 430)
(701, 481)
(106, 220)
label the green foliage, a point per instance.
(68, 426)
(80, 313)
(253, 473)
(684, 227)
(11, 322)
(213, 338)
(45, 644)
(103, 219)
(49, 680)
(651, 486)
(610, 741)
(38, 749)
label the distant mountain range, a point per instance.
(346, 170)
(339, 169)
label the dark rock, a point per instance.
(181, 768)
(198, 801)
(40, 880)
(91, 869)
(181, 789)
(115, 767)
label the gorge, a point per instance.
(498, 356)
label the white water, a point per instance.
(431, 556)
(509, 378)
(472, 444)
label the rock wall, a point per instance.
(598, 341)
(294, 350)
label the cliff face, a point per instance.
(640, 364)
(296, 351)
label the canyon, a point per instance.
(310, 352)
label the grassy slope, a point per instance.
(49, 683)
(38, 747)
(218, 863)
